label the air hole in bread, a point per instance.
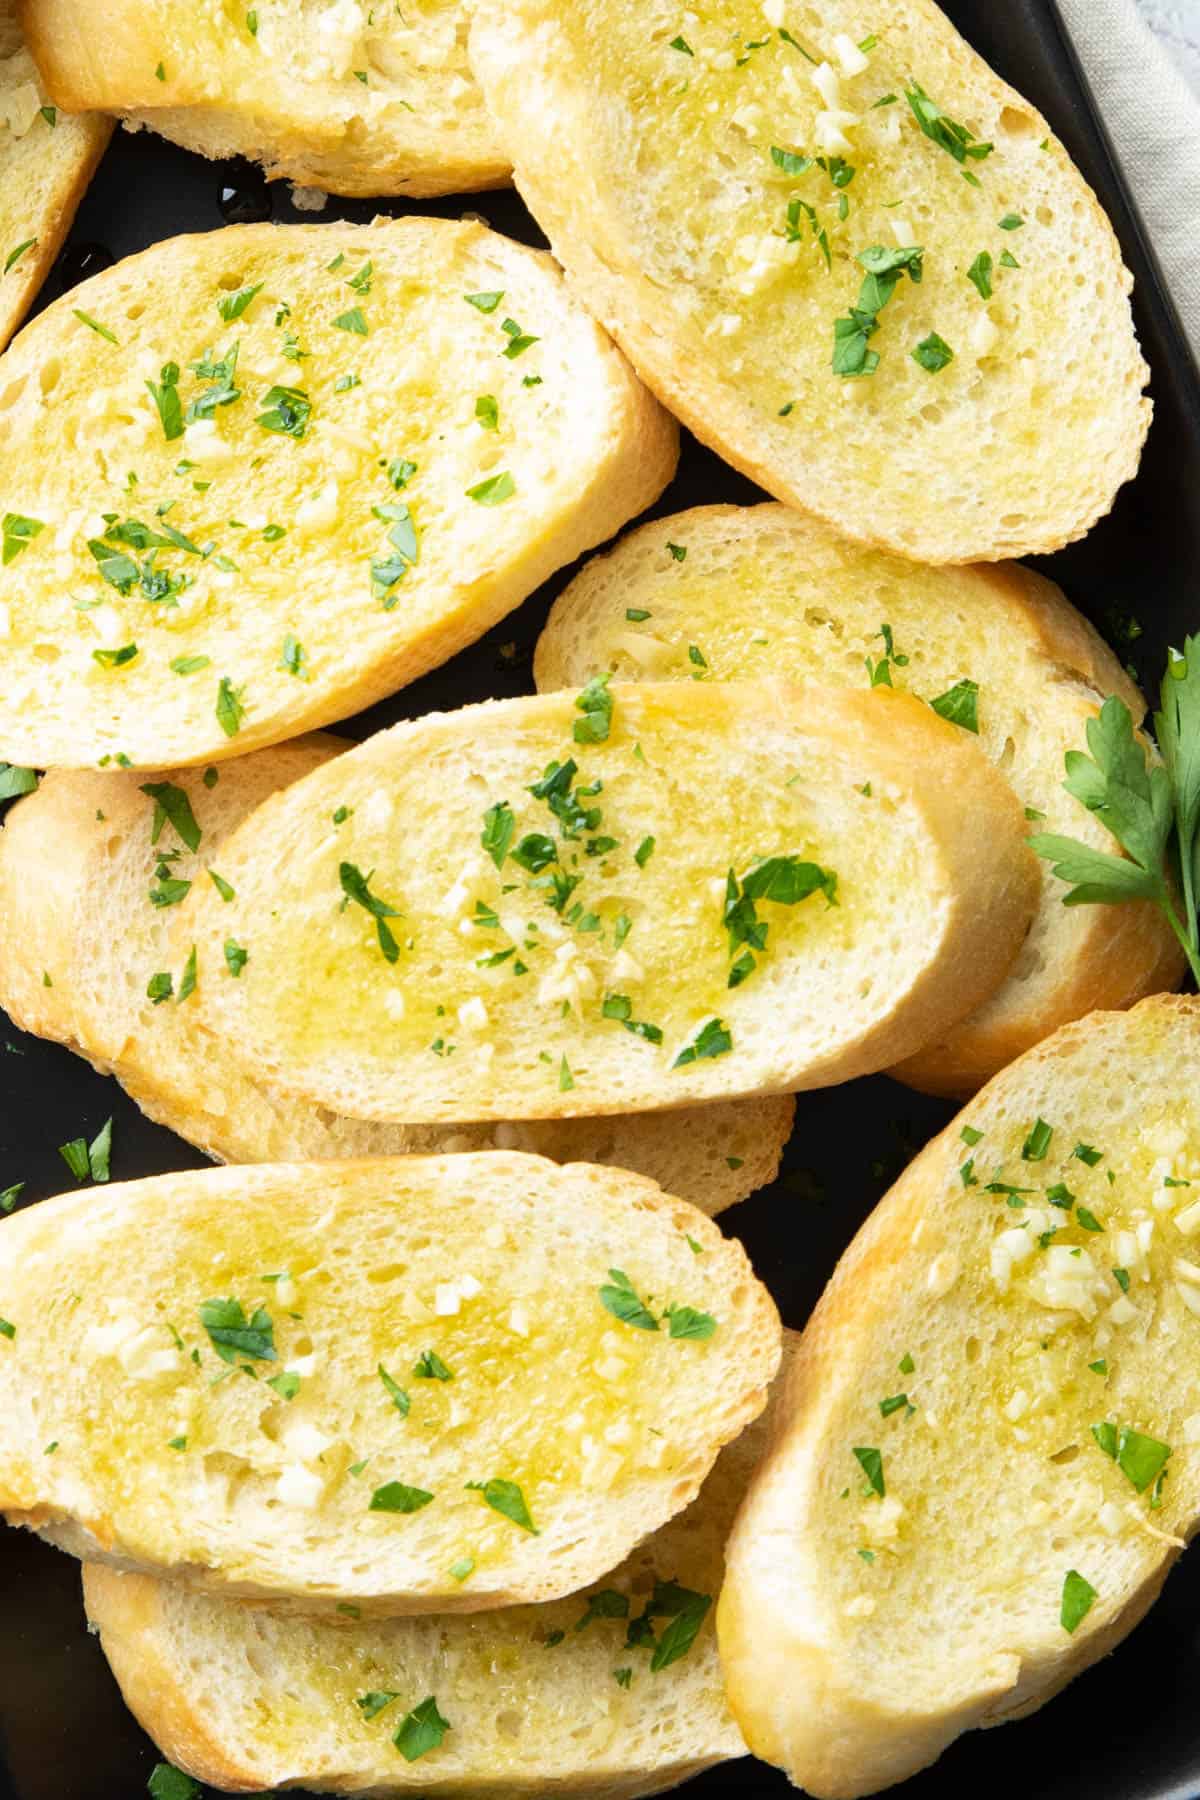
(12, 393)
(1017, 124)
(49, 373)
(231, 282)
(971, 1349)
(1044, 215)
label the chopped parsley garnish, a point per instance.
(15, 781)
(484, 303)
(852, 356)
(1078, 1597)
(354, 320)
(232, 306)
(233, 1334)
(421, 1730)
(94, 325)
(115, 659)
(605, 1603)
(933, 353)
(430, 1367)
(17, 533)
(10, 1195)
(681, 44)
(871, 1463)
(14, 256)
(487, 412)
(230, 709)
(357, 887)
(712, 1040)
(1011, 222)
(620, 1298)
(171, 805)
(399, 1398)
(166, 1781)
(686, 1322)
(497, 835)
(518, 341)
(1141, 1459)
(506, 1498)
(287, 412)
(596, 705)
(84, 1159)
(1038, 1142)
(236, 956)
(620, 1007)
(784, 880)
(960, 705)
(980, 274)
(955, 139)
(372, 1704)
(493, 491)
(398, 1497)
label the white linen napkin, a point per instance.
(1154, 121)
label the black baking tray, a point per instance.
(1130, 1729)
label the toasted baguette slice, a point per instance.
(333, 541)
(762, 591)
(547, 953)
(535, 1698)
(459, 1377)
(710, 186)
(343, 96)
(46, 162)
(1033, 1326)
(78, 866)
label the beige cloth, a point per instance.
(1154, 121)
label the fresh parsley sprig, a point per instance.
(1152, 809)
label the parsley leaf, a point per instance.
(421, 1730)
(620, 1298)
(357, 887)
(233, 1334)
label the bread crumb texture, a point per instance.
(624, 900)
(616, 1691)
(282, 470)
(344, 1382)
(990, 1453)
(727, 593)
(354, 98)
(46, 162)
(91, 871)
(847, 255)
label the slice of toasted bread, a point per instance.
(46, 161)
(343, 96)
(79, 862)
(465, 1370)
(572, 1695)
(836, 265)
(336, 519)
(763, 591)
(983, 1402)
(426, 930)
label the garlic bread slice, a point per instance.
(47, 158)
(844, 253)
(747, 593)
(988, 1454)
(92, 868)
(251, 483)
(339, 95)
(617, 1691)
(408, 1384)
(634, 898)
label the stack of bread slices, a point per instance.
(404, 1451)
